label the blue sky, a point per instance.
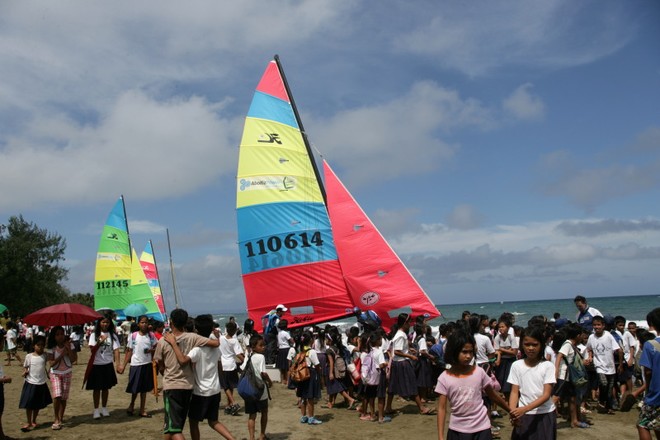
(507, 150)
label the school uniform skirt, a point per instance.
(140, 379)
(536, 427)
(382, 385)
(102, 377)
(35, 396)
(502, 373)
(310, 389)
(323, 362)
(282, 362)
(402, 379)
(335, 386)
(424, 375)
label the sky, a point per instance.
(507, 150)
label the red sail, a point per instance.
(376, 277)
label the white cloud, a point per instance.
(399, 137)
(143, 146)
(489, 35)
(523, 104)
(465, 217)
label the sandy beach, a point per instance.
(339, 423)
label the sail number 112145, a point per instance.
(275, 243)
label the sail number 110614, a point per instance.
(275, 243)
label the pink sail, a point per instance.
(375, 276)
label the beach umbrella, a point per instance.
(3, 308)
(62, 314)
(135, 310)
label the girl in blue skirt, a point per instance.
(35, 394)
(310, 390)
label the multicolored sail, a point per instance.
(113, 261)
(286, 245)
(119, 279)
(376, 277)
(292, 239)
(148, 263)
(140, 292)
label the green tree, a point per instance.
(86, 299)
(30, 271)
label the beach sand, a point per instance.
(339, 423)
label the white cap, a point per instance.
(281, 307)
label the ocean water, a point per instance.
(633, 308)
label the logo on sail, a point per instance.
(369, 298)
(278, 183)
(270, 138)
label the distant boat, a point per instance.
(119, 279)
(314, 251)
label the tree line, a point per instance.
(31, 271)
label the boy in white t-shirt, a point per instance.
(258, 360)
(602, 348)
(230, 351)
(10, 343)
(205, 402)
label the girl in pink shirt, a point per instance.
(462, 384)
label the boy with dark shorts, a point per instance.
(258, 361)
(178, 380)
(205, 402)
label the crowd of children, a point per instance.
(548, 369)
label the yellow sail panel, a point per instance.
(274, 166)
(112, 267)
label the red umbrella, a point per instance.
(62, 314)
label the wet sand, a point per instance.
(339, 423)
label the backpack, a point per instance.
(340, 365)
(299, 371)
(250, 388)
(370, 371)
(577, 373)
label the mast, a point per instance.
(128, 234)
(302, 129)
(169, 247)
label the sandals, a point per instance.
(353, 405)
(428, 412)
(146, 415)
(56, 426)
(581, 425)
(27, 428)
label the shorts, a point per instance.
(204, 407)
(228, 379)
(255, 406)
(61, 384)
(649, 417)
(177, 403)
(626, 374)
(563, 389)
